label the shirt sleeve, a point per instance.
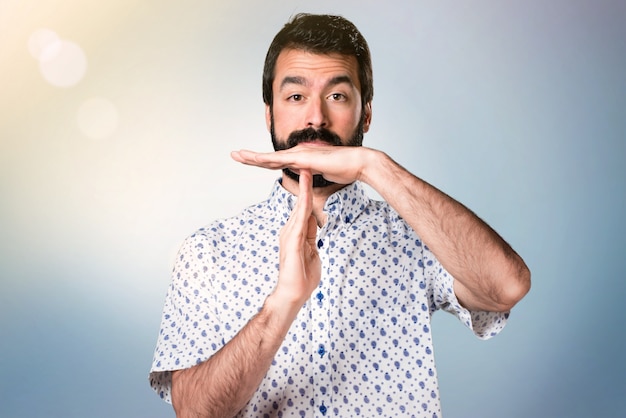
(189, 325)
(483, 324)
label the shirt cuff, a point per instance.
(484, 324)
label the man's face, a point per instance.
(317, 100)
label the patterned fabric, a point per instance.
(361, 346)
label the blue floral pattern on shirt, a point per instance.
(361, 346)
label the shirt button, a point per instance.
(321, 351)
(323, 409)
(320, 244)
(319, 296)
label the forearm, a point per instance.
(489, 274)
(222, 385)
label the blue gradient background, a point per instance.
(517, 109)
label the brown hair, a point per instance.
(320, 34)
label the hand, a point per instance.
(339, 164)
(300, 267)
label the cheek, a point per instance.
(284, 122)
(282, 130)
(348, 121)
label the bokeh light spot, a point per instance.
(40, 40)
(97, 118)
(62, 63)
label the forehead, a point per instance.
(315, 67)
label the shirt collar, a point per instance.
(346, 204)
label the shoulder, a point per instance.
(225, 230)
(383, 215)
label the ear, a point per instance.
(368, 116)
(268, 117)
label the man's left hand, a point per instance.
(339, 164)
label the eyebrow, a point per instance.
(303, 81)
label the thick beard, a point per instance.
(310, 135)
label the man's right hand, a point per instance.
(300, 267)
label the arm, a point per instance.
(488, 274)
(222, 385)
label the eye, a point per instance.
(295, 98)
(338, 97)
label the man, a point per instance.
(318, 300)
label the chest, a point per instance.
(365, 272)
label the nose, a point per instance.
(317, 115)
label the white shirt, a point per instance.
(361, 346)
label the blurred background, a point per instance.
(116, 123)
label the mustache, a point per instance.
(312, 134)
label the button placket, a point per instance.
(320, 331)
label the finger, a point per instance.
(304, 206)
(244, 156)
(305, 193)
(306, 197)
(296, 226)
(271, 160)
(259, 159)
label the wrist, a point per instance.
(373, 162)
(281, 312)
